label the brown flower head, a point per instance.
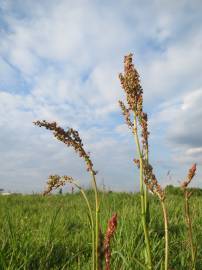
(56, 181)
(69, 137)
(126, 114)
(144, 124)
(151, 181)
(137, 162)
(112, 225)
(130, 82)
(191, 174)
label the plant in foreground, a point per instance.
(112, 225)
(72, 138)
(137, 121)
(187, 195)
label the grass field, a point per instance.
(52, 232)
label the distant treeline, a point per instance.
(170, 189)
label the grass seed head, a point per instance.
(130, 82)
(126, 114)
(71, 138)
(56, 181)
(144, 124)
(151, 181)
(137, 162)
(190, 176)
(111, 228)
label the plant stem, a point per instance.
(142, 196)
(96, 220)
(91, 220)
(165, 217)
(146, 190)
(189, 224)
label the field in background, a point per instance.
(52, 232)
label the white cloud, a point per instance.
(68, 57)
(182, 131)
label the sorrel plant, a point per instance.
(137, 121)
(71, 138)
(187, 195)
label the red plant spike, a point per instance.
(112, 225)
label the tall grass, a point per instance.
(137, 121)
(187, 196)
(71, 138)
(53, 232)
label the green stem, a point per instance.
(91, 220)
(187, 213)
(142, 196)
(165, 216)
(146, 191)
(96, 221)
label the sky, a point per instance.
(60, 60)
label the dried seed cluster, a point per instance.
(112, 225)
(130, 82)
(126, 114)
(71, 138)
(151, 181)
(191, 173)
(56, 181)
(145, 133)
(137, 162)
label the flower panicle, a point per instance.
(71, 138)
(56, 181)
(111, 228)
(144, 124)
(130, 82)
(137, 162)
(126, 114)
(190, 176)
(151, 181)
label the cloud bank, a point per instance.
(60, 62)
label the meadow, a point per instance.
(52, 232)
(79, 231)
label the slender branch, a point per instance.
(96, 219)
(56, 181)
(92, 222)
(143, 207)
(187, 195)
(190, 231)
(165, 216)
(145, 188)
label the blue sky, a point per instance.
(60, 60)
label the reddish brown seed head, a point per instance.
(112, 225)
(71, 138)
(190, 175)
(192, 172)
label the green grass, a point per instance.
(53, 232)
